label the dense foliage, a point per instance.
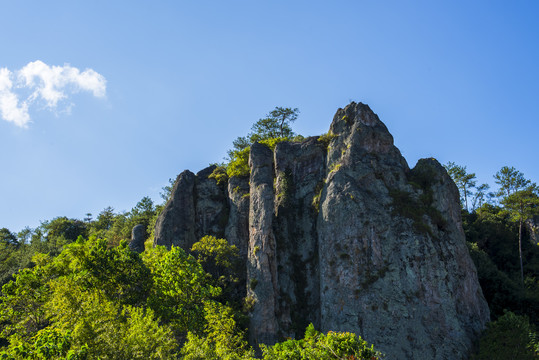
(503, 245)
(510, 337)
(94, 300)
(315, 345)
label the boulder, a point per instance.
(138, 237)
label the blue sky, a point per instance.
(454, 80)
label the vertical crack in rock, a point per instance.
(237, 229)
(300, 171)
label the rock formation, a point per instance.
(532, 226)
(338, 231)
(138, 237)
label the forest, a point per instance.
(73, 289)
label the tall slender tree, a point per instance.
(480, 195)
(464, 181)
(510, 180)
(522, 204)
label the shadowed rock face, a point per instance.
(138, 237)
(394, 266)
(346, 237)
(299, 179)
(176, 223)
(211, 205)
(262, 262)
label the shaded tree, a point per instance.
(522, 204)
(62, 230)
(167, 190)
(510, 337)
(480, 195)
(464, 181)
(510, 181)
(7, 237)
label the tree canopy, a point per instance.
(272, 129)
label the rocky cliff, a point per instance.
(338, 231)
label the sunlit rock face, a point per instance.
(340, 232)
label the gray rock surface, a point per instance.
(532, 226)
(262, 282)
(176, 223)
(237, 228)
(394, 266)
(211, 205)
(345, 236)
(138, 237)
(299, 176)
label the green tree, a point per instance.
(315, 345)
(222, 339)
(21, 304)
(61, 231)
(9, 255)
(25, 235)
(167, 190)
(276, 124)
(510, 181)
(464, 181)
(275, 127)
(109, 329)
(180, 288)
(7, 237)
(49, 343)
(103, 223)
(522, 204)
(221, 261)
(117, 271)
(215, 255)
(97, 294)
(510, 337)
(480, 195)
(142, 213)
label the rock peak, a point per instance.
(345, 236)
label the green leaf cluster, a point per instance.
(49, 343)
(221, 339)
(315, 345)
(180, 287)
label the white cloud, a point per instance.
(52, 84)
(9, 102)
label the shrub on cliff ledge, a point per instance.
(272, 129)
